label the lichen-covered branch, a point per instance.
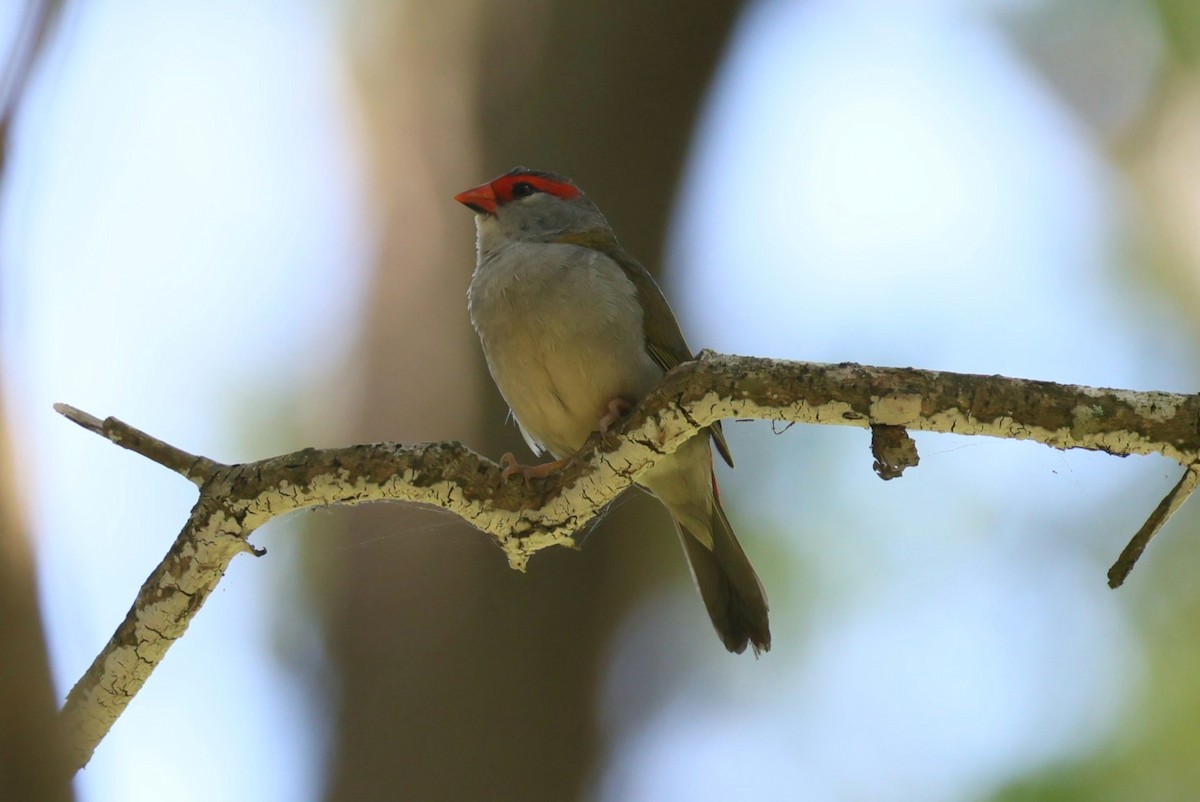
(525, 517)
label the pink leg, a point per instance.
(510, 467)
(617, 409)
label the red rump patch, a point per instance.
(503, 186)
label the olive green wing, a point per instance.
(664, 340)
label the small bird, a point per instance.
(576, 333)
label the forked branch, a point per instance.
(524, 518)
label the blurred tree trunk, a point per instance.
(460, 679)
(31, 760)
(32, 764)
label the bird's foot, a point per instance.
(618, 408)
(509, 467)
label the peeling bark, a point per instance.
(526, 517)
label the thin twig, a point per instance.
(194, 468)
(1186, 485)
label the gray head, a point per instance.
(532, 206)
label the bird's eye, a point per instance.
(523, 189)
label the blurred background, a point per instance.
(230, 224)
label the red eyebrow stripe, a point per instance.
(503, 186)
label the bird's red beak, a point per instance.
(481, 199)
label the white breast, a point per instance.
(562, 331)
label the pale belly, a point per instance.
(562, 336)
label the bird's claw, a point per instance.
(618, 408)
(509, 467)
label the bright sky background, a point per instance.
(889, 183)
(183, 236)
(880, 182)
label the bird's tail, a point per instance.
(728, 584)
